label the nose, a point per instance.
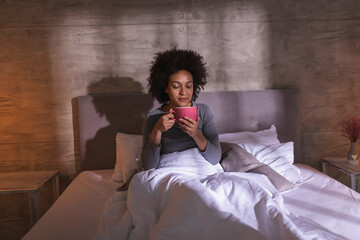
(182, 91)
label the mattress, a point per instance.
(76, 214)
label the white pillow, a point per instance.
(128, 153)
(265, 137)
(279, 157)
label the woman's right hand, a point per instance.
(165, 122)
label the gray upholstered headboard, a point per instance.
(100, 117)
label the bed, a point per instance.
(159, 205)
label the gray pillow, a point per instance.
(235, 159)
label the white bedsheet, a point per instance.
(177, 202)
(324, 200)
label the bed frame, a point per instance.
(100, 117)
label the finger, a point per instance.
(169, 116)
(190, 131)
(184, 126)
(170, 122)
(186, 129)
(189, 120)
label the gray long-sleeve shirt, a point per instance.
(176, 140)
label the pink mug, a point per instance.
(182, 112)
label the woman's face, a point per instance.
(180, 89)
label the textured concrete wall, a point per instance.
(52, 51)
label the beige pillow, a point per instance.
(128, 153)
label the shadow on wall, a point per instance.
(110, 109)
(114, 85)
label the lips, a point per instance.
(182, 99)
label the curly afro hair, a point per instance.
(171, 61)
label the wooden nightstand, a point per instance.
(353, 171)
(31, 183)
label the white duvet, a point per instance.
(188, 198)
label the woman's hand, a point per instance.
(163, 124)
(190, 126)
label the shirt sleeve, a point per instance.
(212, 152)
(150, 155)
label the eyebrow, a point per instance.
(180, 83)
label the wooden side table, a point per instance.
(353, 171)
(30, 183)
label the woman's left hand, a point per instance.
(190, 126)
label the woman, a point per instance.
(176, 77)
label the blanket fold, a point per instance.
(235, 159)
